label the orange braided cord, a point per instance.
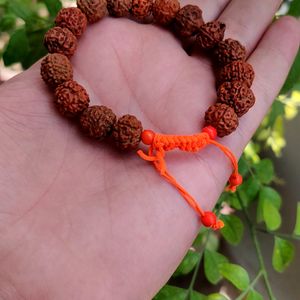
(160, 143)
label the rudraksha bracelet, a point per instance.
(234, 79)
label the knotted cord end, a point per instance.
(209, 219)
(235, 180)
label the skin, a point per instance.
(79, 220)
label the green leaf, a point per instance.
(268, 208)
(212, 262)
(237, 275)
(188, 263)
(277, 110)
(35, 34)
(243, 166)
(254, 295)
(264, 171)
(293, 77)
(249, 190)
(283, 254)
(17, 47)
(271, 215)
(297, 225)
(7, 22)
(53, 6)
(216, 296)
(233, 229)
(169, 292)
(210, 240)
(22, 9)
(294, 9)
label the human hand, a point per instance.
(79, 220)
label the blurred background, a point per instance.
(23, 24)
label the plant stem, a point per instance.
(195, 273)
(282, 235)
(252, 284)
(259, 255)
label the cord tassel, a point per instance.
(161, 143)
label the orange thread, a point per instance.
(161, 143)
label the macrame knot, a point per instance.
(159, 144)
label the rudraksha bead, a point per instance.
(71, 98)
(223, 118)
(188, 20)
(210, 34)
(60, 40)
(236, 71)
(94, 10)
(164, 11)
(73, 19)
(119, 8)
(228, 51)
(237, 95)
(56, 69)
(97, 121)
(141, 9)
(127, 132)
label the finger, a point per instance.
(247, 20)
(271, 61)
(211, 9)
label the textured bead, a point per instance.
(236, 71)
(222, 117)
(73, 19)
(119, 8)
(60, 40)
(71, 98)
(127, 132)
(237, 95)
(164, 11)
(97, 121)
(141, 9)
(188, 20)
(210, 34)
(228, 51)
(94, 10)
(56, 69)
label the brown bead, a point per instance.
(237, 71)
(188, 20)
(60, 40)
(71, 98)
(164, 11)
(119, 8)
(94, 10)
(223, 118)
(228, 51)
(56, 69)
(73, 19)
(127, 132)
(141, 9)
(210, 34)
(237, 95)
(97, 121)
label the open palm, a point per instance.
(79, 220)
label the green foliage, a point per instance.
(22, 21)
(188, 264)
(174, 293)
(283, 254)
(297, 225)
(237, 275)
(212, 263)
(254, 295)
(233, 229)
(268, 208)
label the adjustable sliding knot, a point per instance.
(159, 144)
